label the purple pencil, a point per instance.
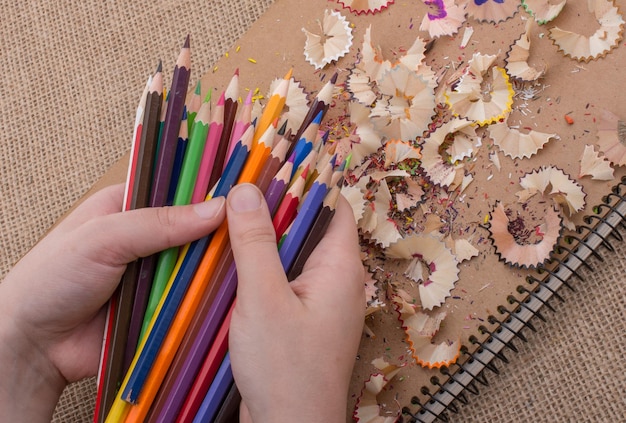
(171, 126)
(279, 185)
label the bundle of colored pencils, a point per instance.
(165, 354)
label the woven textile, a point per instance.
(72, 74)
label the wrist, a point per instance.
(30, 385)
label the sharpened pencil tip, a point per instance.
(237, 72)
(159, 67)
(283, 128)
(334, 78)
(187, 43)
(207, 98)
(288, 75)
(198, 88)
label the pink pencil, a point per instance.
(241, 124)
(210, 150)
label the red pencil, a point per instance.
(289, 205)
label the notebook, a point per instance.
(487, 311)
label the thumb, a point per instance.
(261, 277)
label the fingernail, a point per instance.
(244, 197)
(209, 209)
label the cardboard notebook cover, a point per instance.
(275, 43)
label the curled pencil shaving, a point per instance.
(397, 151)
(543, 11)
(516, 144)
(426, 250)
(517, 58)
(367, 409)
(360, 86)
(365, 6)
(356, 199)
(332, 43)
(406, 107)
(376, 221)
(461, 248)
(363, 140)
(444, 172)
(582, 48)
(527, 255)
(468, 100)
(591, 164)
(493, 11)
(567, 194)
(296, 104)
(420, 328)
(612, 137)
(443, 18)
(412, 197)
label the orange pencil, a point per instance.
(274, 107)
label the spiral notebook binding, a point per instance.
(607, 218)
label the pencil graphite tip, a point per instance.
(207, 98)
(318, 118)
(159, 67)
(333, 80)
(198, 88)
(236, 72)
(222, 100)
(248, 98)
(283, 128)
(187, 42)
(288, 75)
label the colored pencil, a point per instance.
(193, 103)
(111, 368)
(229, 411)
(207, 372)
(230, 112)
(304, 219)
(321, 103)
(242, 121)
(278, 185)
(317, 231)
(203, 181)
(189, 169)
(289, 205)
(272, 164)
(216, 394)
(305, 143)
(273, 108)
(169, 137)
(179, 156)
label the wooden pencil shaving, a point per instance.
(365, 6)
(612, 137)
(582, 48)
(376, 221)
(509, 236)
(515, 144)
(332, 43)
(443, 18)
(420, 328)
(543, 11)
(406, 107)
(517, 58)
(492, 11)
(553, 182)
(397, 151)
(468, 99)
(443, 271)
(438, 169)
(591, 164)
(367, 409)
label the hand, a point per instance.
(52, 303)
(293, 345)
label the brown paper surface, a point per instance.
(275, 44)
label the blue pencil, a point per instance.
(216, 393)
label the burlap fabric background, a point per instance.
(71, 74)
